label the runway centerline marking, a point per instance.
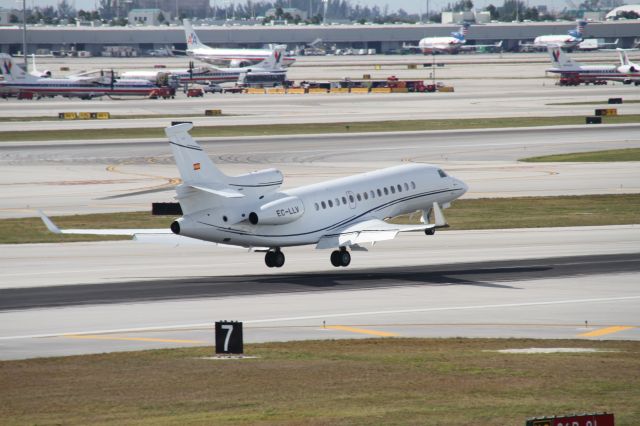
(134, 339)
(361, 331)
(605, 331)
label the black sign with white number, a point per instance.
(229, 337)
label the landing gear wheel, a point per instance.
(335, 258)
(278, 259)
(345, 258)
(430, 231)
(274, 259)
(269, 259)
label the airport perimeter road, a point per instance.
(78, 177)
(542, 283)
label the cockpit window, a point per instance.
(442, 173)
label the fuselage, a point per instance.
(77, 88)
(227, 56)
(557, 40)
(328, 206)
(440, 44)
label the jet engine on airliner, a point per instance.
(278, 212)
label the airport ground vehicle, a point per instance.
(195, 93)
(213, 88)
(162, 92)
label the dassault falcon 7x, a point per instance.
(251, 211)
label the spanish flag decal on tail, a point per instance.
(196, 166)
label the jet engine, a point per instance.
(278, 212)
(239, 63)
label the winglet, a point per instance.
(49, 223)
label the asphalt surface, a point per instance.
(497, 274)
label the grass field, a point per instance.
(308, 128)
(629, 154)
(392, 381)
(487, 213)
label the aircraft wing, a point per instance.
(162, 236)
(374, 230)
(470, 47)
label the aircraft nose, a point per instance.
(460, 184)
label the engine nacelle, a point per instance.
(626, 69)
(261, 181)
(278, 212)
(239, 63)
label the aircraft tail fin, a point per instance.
(11, 70)
(273, 61)
(560, 59)
(579, 31)
(193, 42)
(462, 33)
(195, 167)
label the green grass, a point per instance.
(486, 213)
(628, 154)
(392, 381)
(308, 128)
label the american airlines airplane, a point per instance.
(235, 58)
(16, 80)
(453, 44)
(252, 211)
(271, 65)
(568, 68)
(572, 39)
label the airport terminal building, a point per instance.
(382, 38)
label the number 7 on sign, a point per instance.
(229, 329)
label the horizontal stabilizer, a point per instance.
(222, 192)
(52, 227)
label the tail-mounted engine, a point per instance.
(278, 212)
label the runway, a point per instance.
(63, 177)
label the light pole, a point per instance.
(24, 34)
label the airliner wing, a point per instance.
(373, 230)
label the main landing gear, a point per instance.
(340, 257)
(274, 258)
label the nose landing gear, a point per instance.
(274, 258)
(340, 257)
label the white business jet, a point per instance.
(251, 211)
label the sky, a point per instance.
(411, 6)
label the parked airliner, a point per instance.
(568, 68)
(271, 65)
(451, 44)
(570, 40)
(235, 58)
(251, 211)
(17, 81)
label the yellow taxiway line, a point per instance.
(361, 330)
(135, 339)
(604, 331)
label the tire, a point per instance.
(268, 259)
(430, 231)
(335, 258)
(345, 258)
(278, 259)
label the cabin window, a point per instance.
(413, 185)
(442, 173)
(330, 203)
(379, 193)
(324, 206)
(393, 190)
(399, 188)
(386, 191)
(337, 201)
(344, 200)
(317, 206)
(358, 197)
(373, 194)
(406, 186)
(365, 195)
(351, 199)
